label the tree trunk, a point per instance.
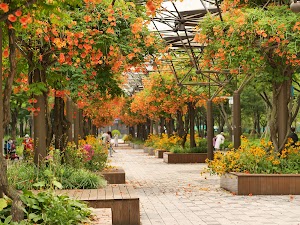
(60, 124)
(12, 74)
(13, 124)
(132, 131)
(162, 125)
(81, 120)
(192, 124)
(180, 124)
(1, 113)
(155, 128)
(226, 118)
(169, 126)
(186, 129)
(258, 123)
(151, 127)
(21, 127)
(16, 209)
(76, 124)
(279, 119)
(69, 115)
(40, 120)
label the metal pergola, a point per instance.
(177, 28)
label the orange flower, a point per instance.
(18, 13)
(5, 53)
(110, 30)
(24, 20)
(12, 18)
(4, 7)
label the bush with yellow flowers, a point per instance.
(90, 154)
(163, 141)
(260, 159)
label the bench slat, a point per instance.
(85, 194)
(101, 194)
(78, 194)
(93, 194)
(131, 191)
(124, 191)
(109, 192)
(116, 192)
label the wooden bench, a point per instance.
(121, 198)
(114, 175)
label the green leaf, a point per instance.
(34, 217)
(39, 184)
(3, 203)
(7, 220)
(57, 184)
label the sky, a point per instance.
(185, 5)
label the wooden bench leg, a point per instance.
(124, 212)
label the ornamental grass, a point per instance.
(261, 159)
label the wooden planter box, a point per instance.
(137, 146)
(148, 149)
(261, 184)
(159, 153)
(114, 176)
(170, 157)
(151, 151)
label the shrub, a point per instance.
(137, 141)
(127, 137)
(257, 159)
(166, 143)
(47, 208)
(179, 149)
(90, 154)
(114, 132)
(226, 145)
(151, 140)
(24, 175)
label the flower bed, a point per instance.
(170, 157)
(261, 184)
(258, 169)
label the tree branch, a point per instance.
(266, 99)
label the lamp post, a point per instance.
(295, 6)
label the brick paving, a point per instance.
(186, 194)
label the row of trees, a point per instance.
(65, 52)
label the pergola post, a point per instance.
(237, 130)
(210, 130)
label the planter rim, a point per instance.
(262, 174)
(184, 153)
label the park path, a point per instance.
(185, 194)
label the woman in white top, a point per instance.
(219, 140)
(116, 137)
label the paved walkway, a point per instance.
(179, 194)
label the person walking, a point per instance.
(116, 140)
(219, 140)
(107, 140)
